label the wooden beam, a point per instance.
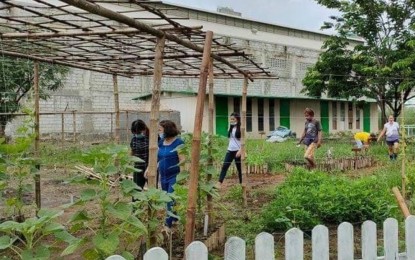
(100, 10)
(116, 108)
(196, 140)
(243, 149)
(210, 144)
(401, 202)
(38, 197)
(155, 113)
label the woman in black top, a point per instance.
(139, 147)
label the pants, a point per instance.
(138, 177)
(229, 157)
(167, 186)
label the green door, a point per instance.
(285, 112)
(366, 117)
(324, 116)
(221, 105)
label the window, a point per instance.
(271, 103)
(357, 118)
(334, 115)
(260, 114)
(237, 105)
(350, 115)
(249, 115)
(342, 112)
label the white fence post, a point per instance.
(320, 242)
(235, 249)
(264, 247)
(345, 241)
(156, 253)
(369, 240)
(390, 239)
(196, 251)
(294, 244)
(410, 237)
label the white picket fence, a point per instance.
(235, 247)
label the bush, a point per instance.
(309, 198)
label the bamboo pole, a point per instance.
(37, 135)
(127, 119)
(74, 125)
(155, 112)
(243, 129)
(116, 108)
(195, 151)
(401, 202)
(210, 130)
(62, 129)
(403, 174)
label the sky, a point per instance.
(301, 14)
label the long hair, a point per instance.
(238, 126)
(138, 126)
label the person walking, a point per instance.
(391, 130)
(169, 161)
(311, 137)
(234, 149)
(139, 146)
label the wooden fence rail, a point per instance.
(235, 247)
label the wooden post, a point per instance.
(116, 109)
(74, 125)
(195, 150)
(401, 202)
(403, 174)
(155, 112)
(126, 125)
(243, 130)
(62, 129)
(37, 134)
(210, 129)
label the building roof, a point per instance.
(104, 36)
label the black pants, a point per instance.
(138, 177)
(229, 157)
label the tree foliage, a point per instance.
(371, 55)
(16, 82)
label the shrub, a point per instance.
(308, 198)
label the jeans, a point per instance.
(167, 186)
(229, 157)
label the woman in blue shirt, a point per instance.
(169, 160)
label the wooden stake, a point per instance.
(74, 125)
(155, 111)
(37, 134)
(116, 108)
(195, 152)
(401, 202)
(243, 129)
(62, 129)
(403, 174)
(210, 125)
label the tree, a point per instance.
(365, 58)
(16, 81)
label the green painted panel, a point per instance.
(285, 112)
(324, 116)
(221, 106)
(366, 118)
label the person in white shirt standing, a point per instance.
(234, 148)
(391, 130)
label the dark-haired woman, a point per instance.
(234, 148)
(169, 160)
(139, 147)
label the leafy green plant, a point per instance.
(308, 198)
(17, 167)
(117, 222)
(28, 239)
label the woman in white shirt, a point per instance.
(391, 129)
(234, 148)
